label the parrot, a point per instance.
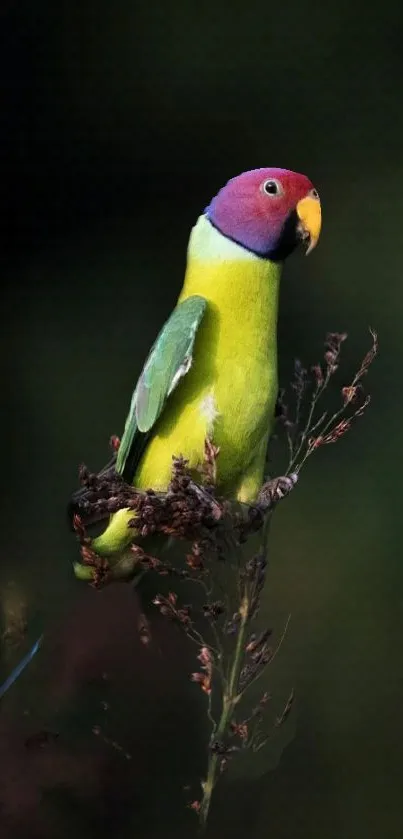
(212, 371)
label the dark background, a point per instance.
(118, 122)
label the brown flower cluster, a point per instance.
(307, 428)
(233, 653)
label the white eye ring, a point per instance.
(314, 194)
(272, 188)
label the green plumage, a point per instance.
(170, 359)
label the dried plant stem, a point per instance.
(231, 693)
(231, 697)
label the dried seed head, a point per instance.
(318, 373)
(240, 730)
(202, 679)
(349, 394)
(205, 657)
(213, 610)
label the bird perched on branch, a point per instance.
(212, 372)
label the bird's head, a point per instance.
(268, 211)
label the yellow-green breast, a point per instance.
(230, 391)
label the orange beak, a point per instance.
(310, 220)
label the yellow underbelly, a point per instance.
(230, 391)
(233, 412)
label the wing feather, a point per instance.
(169, 360)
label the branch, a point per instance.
(232, 654)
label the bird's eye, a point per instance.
(314, 193)
(272, 188)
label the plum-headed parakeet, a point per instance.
(212, 371)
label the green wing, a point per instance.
(169, 360)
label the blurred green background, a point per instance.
(118, 122)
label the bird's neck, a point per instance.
(242, 288)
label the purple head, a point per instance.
(268, 211)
